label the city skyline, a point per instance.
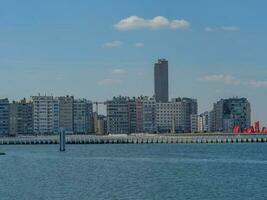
(123, 99)
(125, 115)
(97, 52)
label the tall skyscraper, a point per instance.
(161, 81)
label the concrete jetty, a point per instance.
(137, 139)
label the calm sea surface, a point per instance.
(157, 171)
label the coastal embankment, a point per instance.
(137, 139)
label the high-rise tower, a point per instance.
(161, 81)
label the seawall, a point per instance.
(136, 139)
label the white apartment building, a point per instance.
(45, 115)
(195, 123)
(149, 115)
(170, 115)
(175, 116)
(200, 123)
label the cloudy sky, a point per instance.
(100, 48)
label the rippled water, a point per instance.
(163, 171)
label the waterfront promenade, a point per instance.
(136, 139)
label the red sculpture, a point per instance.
(264, 130)
(237, 129)
(257, 127)
(250, 130)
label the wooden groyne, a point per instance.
(144, 139)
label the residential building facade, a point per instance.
(170, 117)
(175, 116)
(195, 123)
(149, 115)
(118, 115)
(231, 112)
(21, 118)
(66, 113)
(45, 115)
(4, 117)
(132, 112)
(82, 116)
(200, 123)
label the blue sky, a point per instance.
(96, 49)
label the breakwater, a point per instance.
(136, 139)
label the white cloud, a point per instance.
(231, 80)
(113, 44)
(209, 29)
(109, 82)
(119, 72)
(258, 84)
(135, 22)
(139, 45)
(182, 24)
(230, 28)
(222, 28)
(223, 78)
